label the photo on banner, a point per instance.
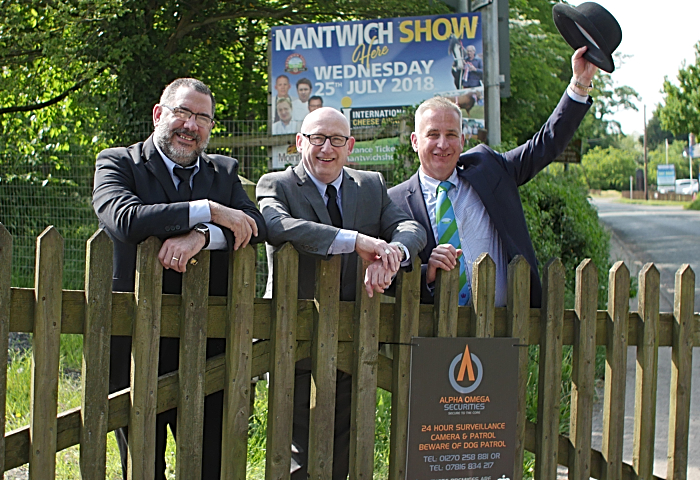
(371, 70)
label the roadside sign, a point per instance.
(462, 408)
(666, 178)
(571, 154)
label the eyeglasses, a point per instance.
(318, 139)
(201, 119)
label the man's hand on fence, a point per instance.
(177, 251)
(372, 249)
(444, 256)
(242, 226)
(378, 278)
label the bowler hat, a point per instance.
(592, 26)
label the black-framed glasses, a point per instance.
(201, 119)
(318, 139)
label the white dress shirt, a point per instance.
(199, 209)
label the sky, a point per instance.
(658, 36)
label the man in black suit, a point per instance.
(482, 187)
(168, 187)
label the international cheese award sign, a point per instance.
(462, 409)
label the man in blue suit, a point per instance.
(478, 189)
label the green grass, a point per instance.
(651, 202)
(694, 205)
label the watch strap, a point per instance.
(204, 230)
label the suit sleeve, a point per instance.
(120, 209)
(527, 160)
(308, 236)
(397, 225)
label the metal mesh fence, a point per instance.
(35, 196)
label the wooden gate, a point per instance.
(336, 335)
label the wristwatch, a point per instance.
(402, 248)
(204, 230)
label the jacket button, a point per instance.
(167, 228)
(177, 227)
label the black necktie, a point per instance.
(183, 188)
(332, 206)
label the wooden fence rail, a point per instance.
(336, 335)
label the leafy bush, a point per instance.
(694, 205)
(609, 168)
(564, 224)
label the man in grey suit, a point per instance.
(325, 209)
(168, 187)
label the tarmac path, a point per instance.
(668, 236)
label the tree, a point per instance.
(609, 168)
(541, 70)
(657, 135)
(104, 62)
(680, 113)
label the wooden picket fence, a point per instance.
(343, 335)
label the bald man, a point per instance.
(324, 209)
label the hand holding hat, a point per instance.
(589, 25)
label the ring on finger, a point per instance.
(175, 259)
(387, 251)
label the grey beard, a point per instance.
(183, 158)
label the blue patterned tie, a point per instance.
(448, 233)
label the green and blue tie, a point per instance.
(448, 233)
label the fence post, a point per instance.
(617, 329)
(324, 359)
(406, 312)
(193, 357)
(364, 380)
(283, 345)
(645, 379)
(239, 348)
(518, 315)
(5, 296)
(97, 328)
(583, 371)
(46, 344)
(681, 374)
(445, 308)
(145, 345)
(484, 289)
(549, 382)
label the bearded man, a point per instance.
(169, 188)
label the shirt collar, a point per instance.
(322, 186)
(429, 184)
(170, 165)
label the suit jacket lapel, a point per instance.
(310, 192)
(204, 179)
(349, 200)
(154, 163)
(416, 203)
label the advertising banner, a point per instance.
(666, 178)
(462, 409)
(372, 69)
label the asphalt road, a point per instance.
(669, 237)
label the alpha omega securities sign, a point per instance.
(462, 409)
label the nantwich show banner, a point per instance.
(371, 70)
(462, 409)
